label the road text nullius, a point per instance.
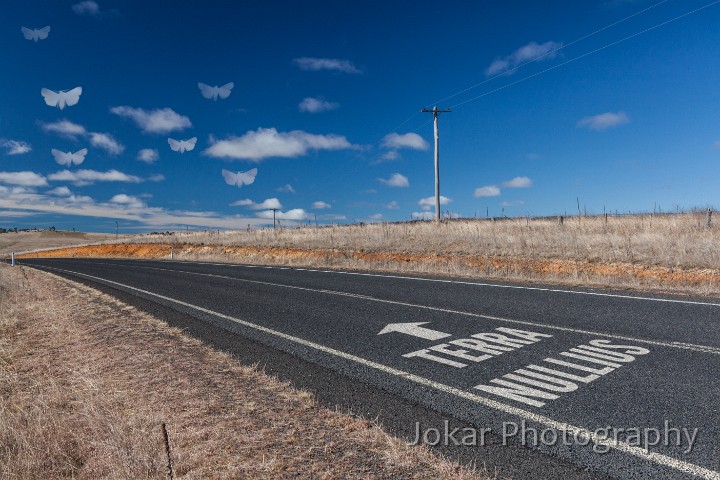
(540, 382)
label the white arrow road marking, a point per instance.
(415, 330)
(596, 437)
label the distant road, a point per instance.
(585, 371)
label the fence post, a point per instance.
(709, 217)
(560, 220)
(172, 251)
(12, 259)
(166, 441)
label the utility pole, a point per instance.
(436, 113)
(274, 210)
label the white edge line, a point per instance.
(463, 282)
(598, 439)
(421, 279)
(676, 345)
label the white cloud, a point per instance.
(422, 216)
(395, 180)
(65, 128)
(60, 191)
(242, 203)
(487, 191)
(514, 203)
(106, 142)
(332, 64)
(87, 7)
(20, 201)
(316, 105)
(375, 217)
(269, 203)
(79, 199)
(429, 202)
(88, 177)
(604, 121)
(333, 217)
(23, 179)
(533, 156)
(15, 147)
(717, 144)
(268, 142)
(294, 214)
(320, 205)
(160, 120)
(148, 155)
(407, 140)
(128, 201)
(389, 156)
(287, 188)
(531, 52)
(518, 182)
(431, 215)
(14, 202)
(393, 205)
(15, 190)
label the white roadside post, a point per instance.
(12, 259)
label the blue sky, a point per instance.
(615, 102)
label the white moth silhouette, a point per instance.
(61, 98)
(214, 92)
(69, 158)
(182, 146)
(36, 33)
(240, 178)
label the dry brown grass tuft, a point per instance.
(86, 381)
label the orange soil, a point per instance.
(478, 265)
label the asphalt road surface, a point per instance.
(532, 381)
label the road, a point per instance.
(577, 383)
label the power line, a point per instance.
(551, 52)
(322, 185)
(588, 53)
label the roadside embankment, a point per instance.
(703, 281)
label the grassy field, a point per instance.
(670, 240)
(86, 382)
(28, 241)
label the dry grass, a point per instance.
(85, 382)
(670, 240)
(30, 241)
